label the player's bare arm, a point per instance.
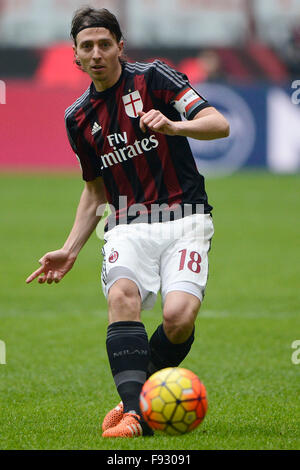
(208, 124)
(56, 264)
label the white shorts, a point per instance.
(165, 256)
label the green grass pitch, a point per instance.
(56, 385)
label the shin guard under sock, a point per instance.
(164, 354)
(128, 352)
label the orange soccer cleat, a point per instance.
(113, 417)
(131, 425)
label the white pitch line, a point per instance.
(224, 314)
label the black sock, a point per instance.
(164, 354)
(128, 352)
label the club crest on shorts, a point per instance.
(133, 104)
(113, 257)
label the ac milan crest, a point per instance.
(113, 257)
(133, 104)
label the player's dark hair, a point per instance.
(88, 17)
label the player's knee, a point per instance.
(179, 322)
(124, 302)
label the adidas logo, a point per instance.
(96, 128)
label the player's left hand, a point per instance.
(157, 122)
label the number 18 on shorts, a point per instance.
(155, 262)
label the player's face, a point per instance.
(99, 53)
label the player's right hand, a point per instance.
(54, 266)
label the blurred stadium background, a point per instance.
(244, 55)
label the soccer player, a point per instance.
(128, 133)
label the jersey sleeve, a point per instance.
(85, 155)
(173, 88)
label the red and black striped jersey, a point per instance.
(148, 168)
